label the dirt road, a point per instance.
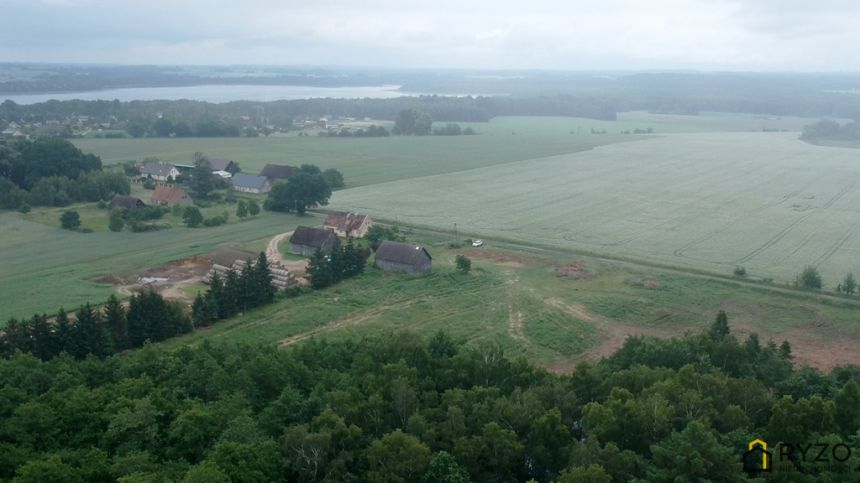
(273, 253)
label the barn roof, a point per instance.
(345, 221)
(311, 237)
(251, 181)
(156, 169)
(405, 253)
(277, 171)
(127, 202)
(220, 164)
(168, 194)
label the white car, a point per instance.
(478, 243)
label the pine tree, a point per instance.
(45, 343)
(92, 335)
(115, 319)
(67, 336)
(319, 270)
(198, 311)
(228, 303)
(263, 288)
(720, 328)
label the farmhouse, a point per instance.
(348, 224)
(250, 183)
(170, 196)
(159, 171)
(129, 203)
(277, 172)
(224, 165)
(402, 257)
(306, 241)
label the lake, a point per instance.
(215, 93)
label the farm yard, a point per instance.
(708, 202)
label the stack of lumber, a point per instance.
(281, 277)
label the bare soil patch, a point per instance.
(573, 270)
(649, 283)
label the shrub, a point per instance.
(149, 184)
(192, 217)
(809, 278)
(70, 220)
(24, 208)
(740, 271)
(464, 264)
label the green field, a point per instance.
(369, 161)
(520, 301)
(700, 201)
(45, 267)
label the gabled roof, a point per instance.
(157, 169)
(345, 221)
(220, 164)
(127, 202)
(244, 180)
(311, 237)
(277, 171)
(168, 194)
(405, 253)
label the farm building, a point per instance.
(250, 183)
(277, 172)
(348, 224)
(159, 171)
(402, 257)
(306, 241)
(224, 165)
(129, 203)
(170, 196)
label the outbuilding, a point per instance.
(170, 196)
(129, 203)
(402, 257)
(250, 183)
(348, 224)
(306, 241)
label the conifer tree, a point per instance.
(115, 319)
(67, 336)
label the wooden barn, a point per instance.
(306, 241)
(348, 224)
(277, 172)
(402, 257)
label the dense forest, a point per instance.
(401, 408)
(53, 172)
(829, 130)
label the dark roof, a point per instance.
(127, 202)
(344, 221)
(311, 237)
(248, 180)
(168, 194)
(156, 169)
(405, 253)
(220, 164)
(277, 171)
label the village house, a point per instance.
(306, 241)
(159, 171)
(129, 203)
(170, 196)
(348, 224)
(250, 183)
(277, 172)
(402, 257)
(227, 165)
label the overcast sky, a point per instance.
(566, 35)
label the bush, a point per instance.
(24, 208)
(464, 264)
(70, 220)
(101, 204)
(192, 217)
(740, 271)
(149, 184)
(809, 278)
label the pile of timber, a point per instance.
(281, 277)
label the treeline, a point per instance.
(344, 261)
(829, 130)
(97, 331)
(401, 408)
(236, 293)
(53, 172)
(162, 127)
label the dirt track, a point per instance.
(273, 253)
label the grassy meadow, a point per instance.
(521, 301)
(45, 267)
